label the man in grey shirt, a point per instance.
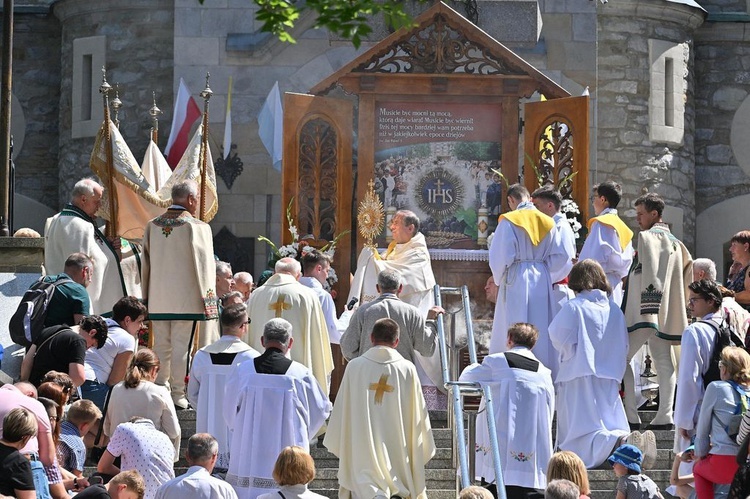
(415, 333)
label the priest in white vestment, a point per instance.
(655, 305)
(282, 296)
(270, 402)
(609, 240)
(523, 401)
(209, 372)
(74, 230)
(525, 252)
(548, 200)
(591, 339)
(408, 255)
(380, 429)
(179, 285)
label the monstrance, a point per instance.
(370, 216)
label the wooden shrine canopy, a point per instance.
(434, 108)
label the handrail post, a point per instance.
(472, 346)
(495, 448)
(465, 463)
(460, 441)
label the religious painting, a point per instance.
(437, 160)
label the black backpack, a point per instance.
(725, 337)
(27, 321)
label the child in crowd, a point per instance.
(16, 479)
(71, 449)
(632, 484)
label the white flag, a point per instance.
(228, 123)
(155, 167)
(271, 125)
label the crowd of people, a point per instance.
(255, 361)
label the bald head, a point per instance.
(27, 389)
(243, 282)
(288, 266)
(87, 196)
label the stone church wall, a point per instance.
(627, 149)
(36, 87)
(722, 113)
(138, 52)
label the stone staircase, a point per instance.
(441, 475)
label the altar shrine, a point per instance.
(431, 115)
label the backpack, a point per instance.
(27, 321)
(725, 337)
(733, 428)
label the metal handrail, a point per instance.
(459, 389)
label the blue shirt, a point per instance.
(71, 450)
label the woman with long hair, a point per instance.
(56, 394)
(138, 395)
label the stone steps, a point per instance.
(440, 473)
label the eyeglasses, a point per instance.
(54, 419)
(695, 298)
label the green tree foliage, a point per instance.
(346, 18)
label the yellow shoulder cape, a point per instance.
(536, 224)
(624, 234)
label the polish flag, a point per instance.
(186, 112)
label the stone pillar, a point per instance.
(646, 115)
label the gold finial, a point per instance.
(370, 215)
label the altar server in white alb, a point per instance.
(209, 372)
(74, 230)
(548, 201)
(282, 296)
(525, 252)
(524, 401)
(380, 429)
(270, 402)
(609, 241)
(591, 339)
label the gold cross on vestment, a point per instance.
(380, 388)
(280, 305)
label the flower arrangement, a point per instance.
(299, 247)
(571, 211)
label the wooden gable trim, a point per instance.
(493, 55)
